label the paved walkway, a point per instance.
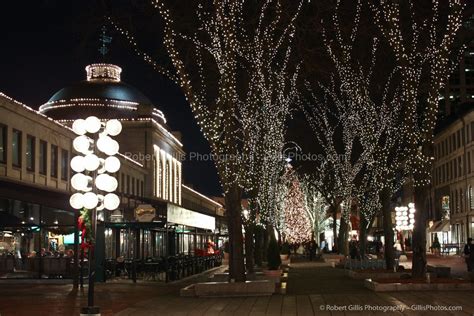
(313, 289)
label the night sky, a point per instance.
(47, 43)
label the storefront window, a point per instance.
(29, 248)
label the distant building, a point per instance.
(460, 88)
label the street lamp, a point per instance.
(405, 217)
(93, 185)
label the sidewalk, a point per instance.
(313, 289)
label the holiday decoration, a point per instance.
(298, 227)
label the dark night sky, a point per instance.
(47, 43)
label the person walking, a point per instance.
(469, 255)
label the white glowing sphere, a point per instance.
(399, 223)
(79, 127)
(77, 164)
(91, 162)
(113, 149)
(82, 144)
(77, 201)
(104, 143)
(411, 205)
(111, 201)
(90, 200)
(107, 183)
(411, 216)
(80, 182)
(112, 164)
(113, 127)
(92, 124)
(412, 210)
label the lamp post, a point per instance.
(92, 181)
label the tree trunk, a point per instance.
(258, 250)
(419, 231)
(234, 214)
(265, 244)
(249, 247)
(389, 252)
(342, 238)
(363, 235)
(334, 226)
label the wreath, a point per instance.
(85, 226)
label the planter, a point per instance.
(382, 286)
(273, 273)
(284, 257)
(225, 289)
(374, 274)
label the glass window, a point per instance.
(30, 152)
(54, 161)
(64, 164)
(43, 152)
(3, 143)
(16, 148)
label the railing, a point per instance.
(161, 269)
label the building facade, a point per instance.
(452, 212)
(158, 215)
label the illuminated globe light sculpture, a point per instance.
(92, 182)
(405, 217)
(91, 171)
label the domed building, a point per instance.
(145, 137)
(102, 94)
(157, 217)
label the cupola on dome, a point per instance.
(102, 94)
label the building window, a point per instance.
(469, 162)
(54, 161)
(128, 184)
(133, 186)
(16, 148)
(30, 152)
(3, 143)
(43, 156)
(122, 183)
(142, 187)
(64, 164)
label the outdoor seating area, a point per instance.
(161, 269)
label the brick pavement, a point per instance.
(313, 288)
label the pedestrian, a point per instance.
(312, 249)
(469, 255)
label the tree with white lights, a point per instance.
(423, 44)
(233, 65)
(315, 206)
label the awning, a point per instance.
(440, 226)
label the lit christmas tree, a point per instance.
(297, 227)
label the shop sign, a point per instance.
(182, 216)
(145, 213)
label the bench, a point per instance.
(440, 270)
